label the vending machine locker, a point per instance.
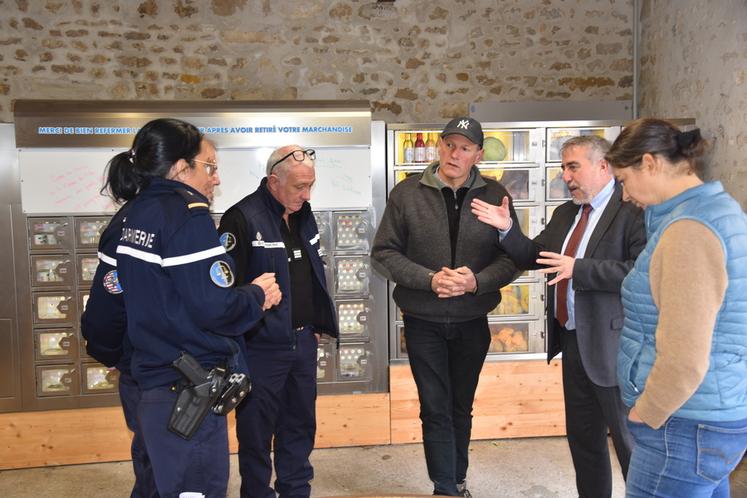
(54, 228)
(525, 158)
(62, 260)
(359, 355)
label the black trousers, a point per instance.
(446, 359)
(590, 411)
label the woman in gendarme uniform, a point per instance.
(682, 364)
(177, 286)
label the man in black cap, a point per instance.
(449, 270)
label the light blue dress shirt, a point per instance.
(598, 203)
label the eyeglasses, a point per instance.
(297, 154)
(211, 168)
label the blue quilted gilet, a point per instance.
(722, 396)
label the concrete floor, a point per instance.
(510, 468)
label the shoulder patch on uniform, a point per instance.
(111, 283)
(228, 240)
(221, 274)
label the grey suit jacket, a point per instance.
(618, 238)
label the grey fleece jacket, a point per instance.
(412, 243)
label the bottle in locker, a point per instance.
(408, 152)
(430, 148)
(419, 149)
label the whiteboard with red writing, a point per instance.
(69, 180)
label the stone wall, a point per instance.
(414, 60)
(694, 64)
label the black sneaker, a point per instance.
(462, 489)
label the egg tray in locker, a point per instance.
(325, 363)
(352, 318)
(352, 275)
(354, 362)
(352, 231)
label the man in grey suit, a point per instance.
(590, 245)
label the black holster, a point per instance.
(203, 391)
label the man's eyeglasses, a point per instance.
(297, 154)
(211, 168)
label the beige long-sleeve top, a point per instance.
(688, 281)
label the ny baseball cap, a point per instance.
(467, 127)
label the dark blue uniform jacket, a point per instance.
(104, 322)
(178, 285)
(251, 232)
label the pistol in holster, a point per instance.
(202, 392)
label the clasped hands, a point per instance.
(451, 283)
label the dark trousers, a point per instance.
(590, 410)
(446, 360)
(280, 404)
(129, 396)
(198, 465)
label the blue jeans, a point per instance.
(685, 458)
(446, 360)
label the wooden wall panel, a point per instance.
(61, 437)
(514, 399)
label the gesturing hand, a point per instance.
(495, 216)
(556, 263)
